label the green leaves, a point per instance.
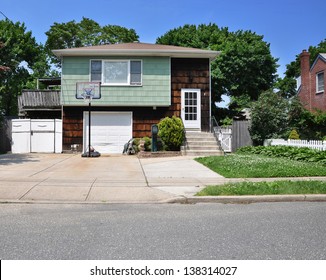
(269, 115)
(245, 67)
(87, 32)
(171, 131)
(295, 153)
(26, 61)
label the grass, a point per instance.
(259, 166)
(266, 188)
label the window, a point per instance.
(96, 70)
(320, 82)
(117, 72)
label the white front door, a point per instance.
(190, 108)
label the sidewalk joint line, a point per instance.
(32, 188)
(90, 189)
(147, 184)
(51, 166)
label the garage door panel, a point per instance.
(109, 131)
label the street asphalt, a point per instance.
(69, 178)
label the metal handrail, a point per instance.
(216, 131)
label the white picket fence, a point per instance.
(313, 144)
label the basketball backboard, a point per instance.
(88, 90)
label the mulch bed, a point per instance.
(159, 154)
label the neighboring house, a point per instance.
(312, 82)
(140, 84)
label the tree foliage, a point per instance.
(287, 85)
(269, 117)
(24, 60)
(273, 116)
(245, 66)
(87, 32)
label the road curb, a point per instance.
(248, 199)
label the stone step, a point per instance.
(202, 153)
(201, 144)
(203, 148)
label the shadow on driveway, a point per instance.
(9, 159)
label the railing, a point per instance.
(313, 144)
(217, 132)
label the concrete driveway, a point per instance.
(113, 179)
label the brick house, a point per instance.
(312, 88)
(139, 84)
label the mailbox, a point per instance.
(154, 137)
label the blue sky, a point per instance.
(289, 26)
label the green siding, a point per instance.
(155, 89)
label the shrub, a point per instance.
(136, 144)
(171, 131)
(147, 144)
(294, 153)
(294, 135)
(268, 117)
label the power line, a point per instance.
(4, 15)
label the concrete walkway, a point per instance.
(69, 178)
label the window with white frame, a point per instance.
(320, 82)
(117, 72)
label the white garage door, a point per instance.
(109, 131)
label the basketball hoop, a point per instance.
(89, 91)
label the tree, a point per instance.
(245, 66)
(22, 58)
(269, 117)
(287, 85)
(87, 32)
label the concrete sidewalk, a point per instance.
(69, 178)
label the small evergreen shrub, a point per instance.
(171, 131)
(294, 135)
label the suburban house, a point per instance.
(311, 89)
(135, 86)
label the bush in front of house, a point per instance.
(171, 131)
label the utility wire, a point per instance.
(4, 15)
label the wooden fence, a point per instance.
(240, 134)
(313, 144)
(235, 136)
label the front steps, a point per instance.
(199, 143)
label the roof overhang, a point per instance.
(145, 51)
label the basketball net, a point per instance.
(87, 95)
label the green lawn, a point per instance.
(258, 166)
(266, 188)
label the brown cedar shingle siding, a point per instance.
(191, 73)
(186, 73)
